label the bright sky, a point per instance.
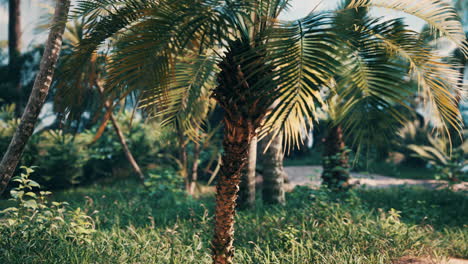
(32, 10)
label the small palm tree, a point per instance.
(261, 63)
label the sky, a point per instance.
(33, 10)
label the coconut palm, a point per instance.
(260, 63)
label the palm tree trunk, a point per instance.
(246, 197)
(38, 95)
(14, 50)
(273, 171)
(128, 153)
(236, 147)
(335, 160)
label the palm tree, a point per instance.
(38, 95)
(261, 62)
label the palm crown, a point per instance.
(149, 38)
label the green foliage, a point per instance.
(60, 158)
(317, 226)
(8, 124)
(164, 183)
(35, 218)
(449, 164)
(146, 142)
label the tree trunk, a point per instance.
(246, 197)
(14, 51)
(335, 160)
(128, 153)
(38, 95)
(245, 104)
(236, 147)
(194, 175)
(273, 171)
(183, 158)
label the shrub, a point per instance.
(60, 158)
(33, 216)
(145, 140)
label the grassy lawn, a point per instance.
(365, 226)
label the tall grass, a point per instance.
(366, 226)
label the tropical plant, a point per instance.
(38, 96)
(369, 98)
(263, 63)
(34, 214)
(450, 164)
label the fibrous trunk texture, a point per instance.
(235, 156)
(273, 170)
(38, 95)
(14, 50)
(245, 99)
(335, 160)
(246, 199)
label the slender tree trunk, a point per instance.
(128, 153)
(194, 174)
(335, 160)
(38, 95)
(246, 197)
(273, 171)
(183, 158)
(14, 51)
(136, 168)
(236, 147)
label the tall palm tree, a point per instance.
(261, 62)
(38, 95)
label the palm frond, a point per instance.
(302, 55)
(187, 101)
(439, 15)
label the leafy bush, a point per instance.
(166, 185)
(449, 165)
(146, 141)
(34, 216)
(60, 158)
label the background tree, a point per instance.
(38, 95)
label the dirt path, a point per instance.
(310, 176)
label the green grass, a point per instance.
(315, 227)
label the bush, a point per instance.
(35, 219)
(60, 158)
(145, 140)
